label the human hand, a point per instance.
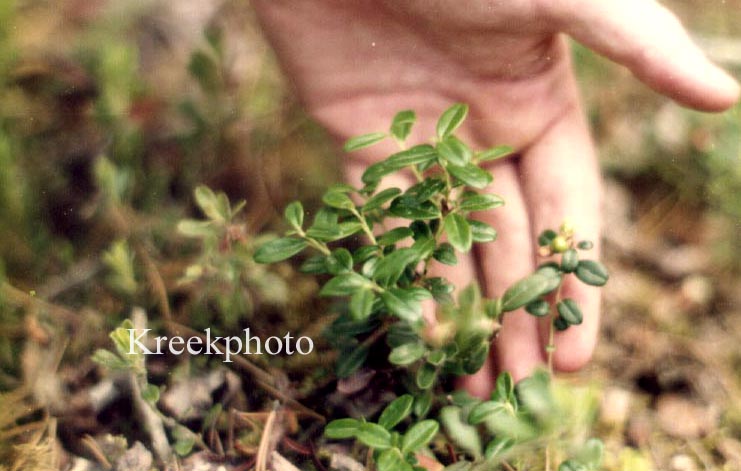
(356, 62)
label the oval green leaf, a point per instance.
(407, 354)
(374, 436)
(479, 202)
(471, 175)
(402, 124)
(494, 153)
(294, 214)
(569, 311)
(419, 435)
(365, 140)
(482, 232)
(458, 231)
(398, 410)
(592, 273)
(379, 199)
(450, 120)
(279, 249)
(426, 376)
(341, 429)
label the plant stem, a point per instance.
(551, 347)
(365, 226)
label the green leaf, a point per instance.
(478, 202)
(215, 207)
(110, 360)
(423, 247)
(546, 237)
(592, 453)
(538, 308)
(592, 273)
(585, 245)
(395, 235)
(339, 261)
(348, 228)
(279, 249)
(471, 175)
(485, 411)
(184, 441)
(458, 231)
(494, 153)
(423, 403)
(402, 304)
(436, 357)
(450, 120)
(504, 390)
(338, 199)
(536, 395)
(294, 214)
(350, 360)
(482, 232)
(193, 228)
(398, 410)
(419, 435)
(315, 265)
(151, 393)
(391, 460)
(407, 354)
(560, 324)
(474, 358)
(390, 268)
(569, 260)
(402, 124)
(341, 429)
(426, 189)
(525, 291)
(364, 253)
(374, 436)
(345, 285)
(121, 338)
(361, 303)
(426, 375)
(464, 435)
(569, 311)
(374, 173)
(417, 155)
(401, 333)
(445, 254)
(379, 199)
(408, 207)
(366, 140)
(551, 273)
(203, 67)
(498, 447)
(455, 151)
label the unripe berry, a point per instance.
(559, 244)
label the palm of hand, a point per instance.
(355, 63)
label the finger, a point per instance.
(653, 44)
(560, 180)
(502, 263)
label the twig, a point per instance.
(265, 441)
(93, 448)
(21, 298)
(77, 274)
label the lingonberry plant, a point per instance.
(387, 277)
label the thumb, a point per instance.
(648, 39)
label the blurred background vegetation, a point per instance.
(111, 113)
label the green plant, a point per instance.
(387, 278)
